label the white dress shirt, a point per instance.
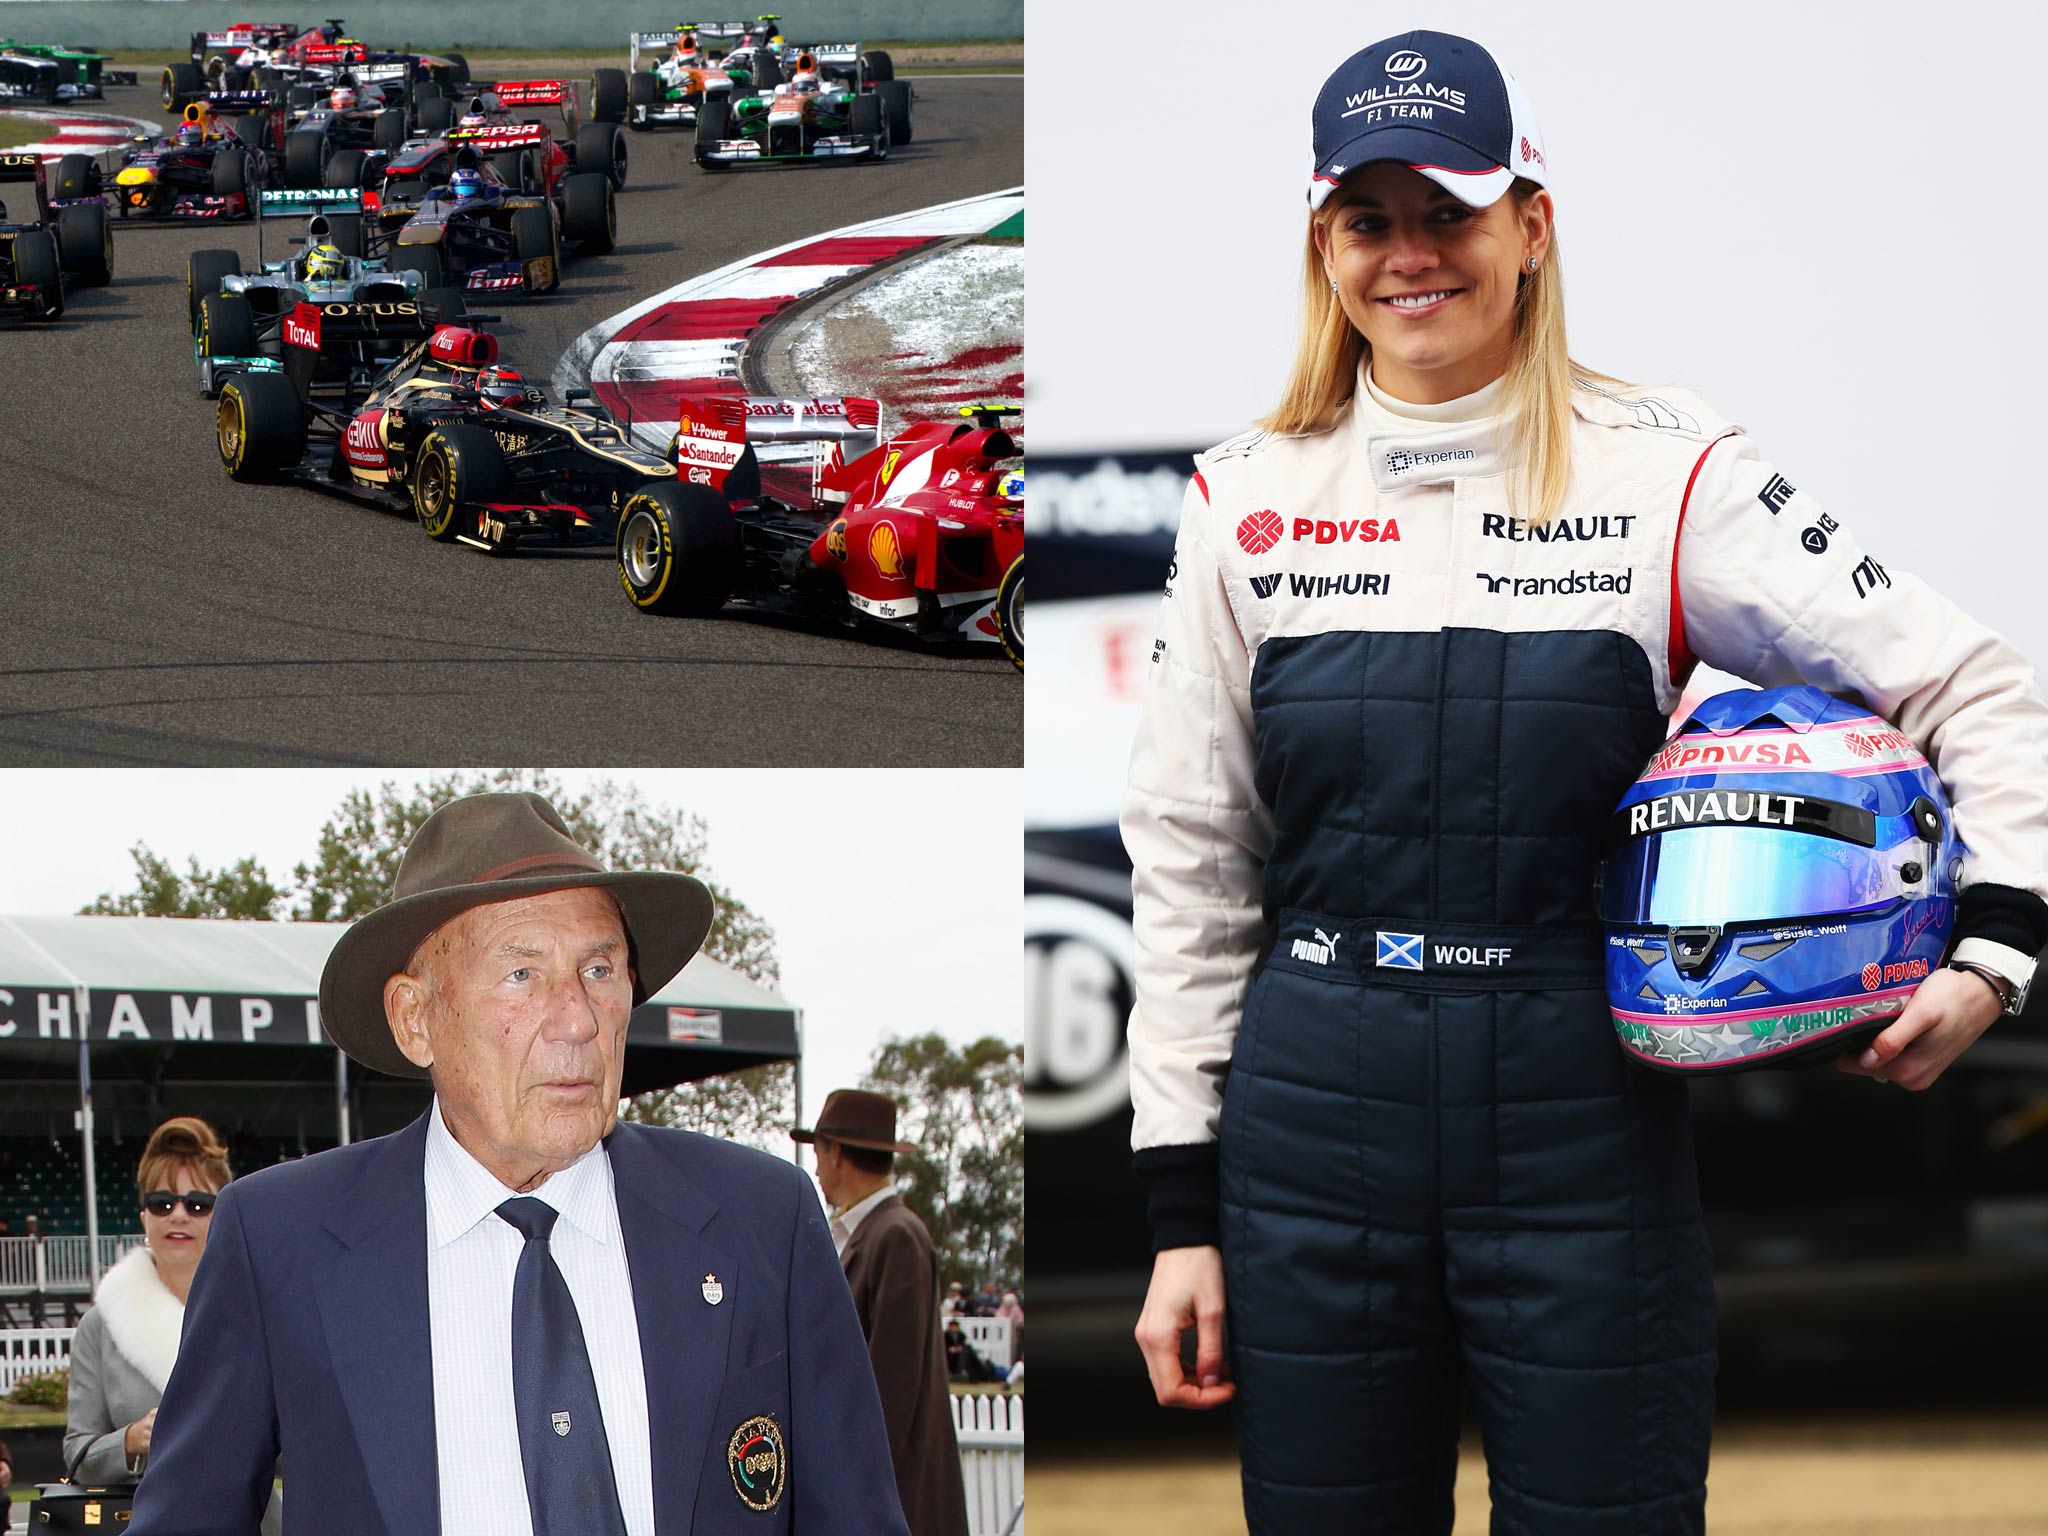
(843, 1222)
(472, 1255)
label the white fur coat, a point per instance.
(143, 1318)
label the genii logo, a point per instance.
(1406, 64)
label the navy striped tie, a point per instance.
(569, 1483)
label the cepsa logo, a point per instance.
(1364, 530)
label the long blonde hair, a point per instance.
(1535, 400)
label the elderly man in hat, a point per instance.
(894, 1277)
(518, 1314)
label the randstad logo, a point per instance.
(1318, 952)
(1407, 65)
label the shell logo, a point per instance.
(835, 541)
(687, 429)
(885, 550)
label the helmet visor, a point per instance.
(1715, 876)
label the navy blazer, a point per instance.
(306, 1335)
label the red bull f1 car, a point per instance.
(923, 533)
(228, 147)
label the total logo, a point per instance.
(1365, 530)
(1406, 64)
(1875, 975)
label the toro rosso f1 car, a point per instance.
(41, 254)
(446, 433)
(923, 533)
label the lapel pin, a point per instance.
(561, 1423)
(713, 1291)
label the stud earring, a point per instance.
(1333, 285)
(1532, 263)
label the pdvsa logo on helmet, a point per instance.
(1406, 64)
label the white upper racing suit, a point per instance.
(1383, 708)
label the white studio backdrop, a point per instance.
(1816, 216)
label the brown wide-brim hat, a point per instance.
(854, 1117)
(483, 849)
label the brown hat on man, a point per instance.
(854, 1117)
(483, 849)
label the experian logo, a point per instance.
(1407, 65)
(1401, 460)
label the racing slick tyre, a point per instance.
(181, 80)
(390, 129)
(448, 303)
(345, 230)
(423, 259)
(73, 178)
(678, 549)
(344, 169)
(713, 124)
(305, 158)
(231, 172)
(643, 90)
(602, 147)
(533, 234)
(1010, 612)
(866, 121)
(85, 244)
(880, 66)
(461, 67)
(425, 90)
(458, 465)
(301, 96)
(36, 261)
(232, 79)
(895, 96)
(608, 96)
(767, 72)
(227, 326)
(259, 425)
(437, 115)
(515, 169)
(590, 216)
(203, 272)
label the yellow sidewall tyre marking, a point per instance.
(231, 398)
(668, 552)
(438, 528)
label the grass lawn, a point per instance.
(21, 130)
(15, 1416)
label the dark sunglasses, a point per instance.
(161, 1202)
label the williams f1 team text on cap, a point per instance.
(1434, 102)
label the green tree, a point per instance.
(754, 1106)
(242, 890)
(963, 1106)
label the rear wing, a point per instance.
(28, 168)
(310, 328)
(232, 103)
(538, 93)
(248, 34)
(713, 431)
(497, 136)
(317, 202)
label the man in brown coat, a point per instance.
(894, 1276)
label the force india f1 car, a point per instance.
(923, 533)
(803, 120)
(476, 454)
(40, 254)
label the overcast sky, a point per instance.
(896, 896)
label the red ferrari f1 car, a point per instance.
(923, 533)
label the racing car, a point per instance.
(446, 432)
(800, 120)
(239, 318)
(39, 72)
(356, 114)
(668, 92)
(475, 232)
(38, 256)
(923, 533)
(284, 54)
(228, 146)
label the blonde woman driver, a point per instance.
(126, 1344)
(1424, 626)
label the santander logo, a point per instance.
(1407, 64)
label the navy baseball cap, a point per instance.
(1438, 104)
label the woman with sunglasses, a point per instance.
(126, 1344)
(1421, 631)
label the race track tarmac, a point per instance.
(153, 611)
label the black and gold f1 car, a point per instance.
(467, 446)
(41, 253)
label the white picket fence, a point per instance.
(991, 1435)
(58, 1264)
(993, 1337)
(25, 1351)
(990, 1430)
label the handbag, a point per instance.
(73, 1507)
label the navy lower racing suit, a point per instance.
(1371, 1054)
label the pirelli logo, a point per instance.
(1775, 494)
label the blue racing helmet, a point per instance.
(1775, 885)
(190, 135)
(465, 183)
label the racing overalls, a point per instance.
(1385, 725)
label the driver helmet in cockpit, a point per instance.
(190, 135)
(341, 99)
(466, 183)
(323, 263)
(805, 82)
(500, 386)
